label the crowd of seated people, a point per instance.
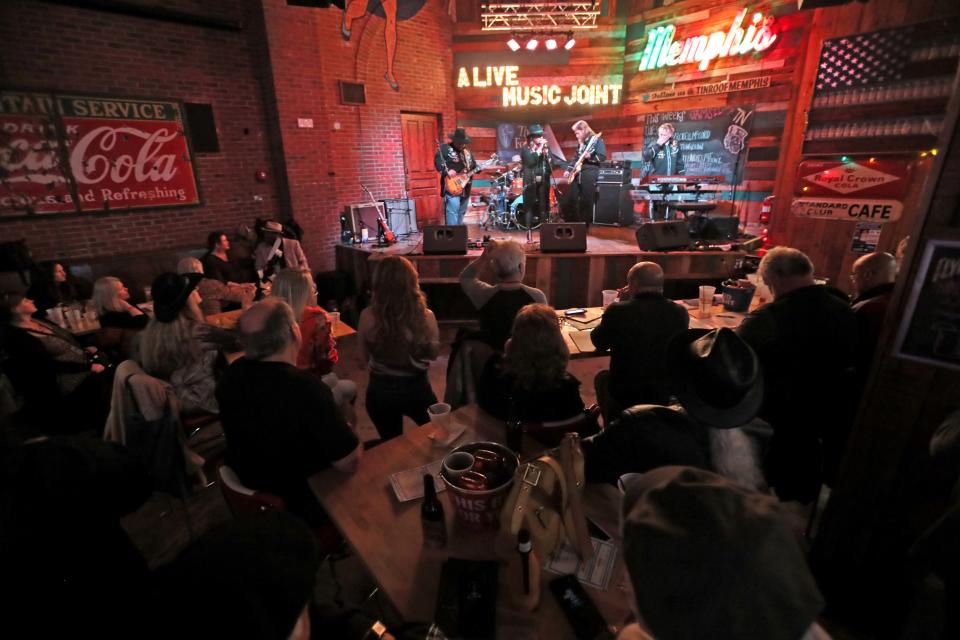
(52, 285)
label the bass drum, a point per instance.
(519, 215)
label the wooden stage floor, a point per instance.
(567, 279)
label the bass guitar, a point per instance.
(583, 156)
(456, 184)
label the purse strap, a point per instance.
(542, 477)
(574, 516)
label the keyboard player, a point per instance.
(663, 158)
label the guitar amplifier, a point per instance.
(563, 237)
(445, 239)
(663, 235)
(613, 206)
(401, 215)
(614, 173)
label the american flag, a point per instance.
(864, 60)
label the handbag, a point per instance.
(547, 499)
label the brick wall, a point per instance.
(46, 46)
(324, 165)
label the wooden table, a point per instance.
(386, 534)
(581, 347)
(229, 319)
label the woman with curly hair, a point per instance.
(532, 372)
(398, 338)
(318, 351)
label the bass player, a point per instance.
(450, 160)
(583, 188)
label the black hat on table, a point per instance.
(170, 292)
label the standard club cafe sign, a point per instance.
(515, 95)
(742, 38)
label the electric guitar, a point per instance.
(583, 156)
(456, 184)
(383, 228)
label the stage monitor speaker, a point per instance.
(364, 216)
(563, 237)
(710, 226)
(663, 235)
(442, 238)
(613, 205)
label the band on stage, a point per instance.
(454, 160)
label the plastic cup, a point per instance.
(334, 322)
(74, 318)
(706, 301)
(56, 315)
(440, 418)
(148, 293)
(456, 464)
(609, 295)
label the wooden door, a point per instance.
(420, 132)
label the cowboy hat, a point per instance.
(460, 136)
(535, 130)
(170, 292)
(717, 376)
(710, 559)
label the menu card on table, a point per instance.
(408, 484)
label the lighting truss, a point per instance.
(538, 16)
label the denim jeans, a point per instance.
(389, 398)
(455, 207)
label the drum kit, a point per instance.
(504, 204)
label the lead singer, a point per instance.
(535, 158)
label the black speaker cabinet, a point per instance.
(563, 237)
(710, 226)
(662, 235)
(439, 239)
(613, 206)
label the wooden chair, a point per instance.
(242, 499)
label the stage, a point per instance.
(567, 279)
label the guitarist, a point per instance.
(583, 190)
(450, 160)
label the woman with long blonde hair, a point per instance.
(318, 351)
(111, 299)
(532, 372)
(398, 339)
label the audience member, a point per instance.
(806, 340)
(719, 386)
(318, 353)
(398, 337)
(111, 299)
(873, 276)
(901, 251)
(532, 375)
(281, 423)
(69, 568)
(174, 345)
(52, 285)
(63, 386)
(709, 559)
(258, 573)
(275, 252)
(217, 264)
(636, 330)
(215, 296)
(498, 304)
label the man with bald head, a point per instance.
(636, 331)
(281, 423)
(872, 276)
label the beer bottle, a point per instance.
(431, 515)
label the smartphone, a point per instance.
(575, 312)
(580, 610)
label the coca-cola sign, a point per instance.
(71, 153)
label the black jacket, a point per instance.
(663, 159)
(449, 158)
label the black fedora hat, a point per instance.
(717, 376)
(170, 292)
(535, 130)
(460, 136)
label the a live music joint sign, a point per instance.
(71, 153)
(860, 190)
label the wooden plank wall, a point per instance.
(827, 242)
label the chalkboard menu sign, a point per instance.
(931, 330)
(712, 141)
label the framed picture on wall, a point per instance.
(930, 331)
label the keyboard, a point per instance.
(683, 180)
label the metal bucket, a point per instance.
(480, 510)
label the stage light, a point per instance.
(845, 159)
(570, 43)
(513, 44)
(532, 44)
(551, 44)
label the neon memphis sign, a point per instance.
(663, 51)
